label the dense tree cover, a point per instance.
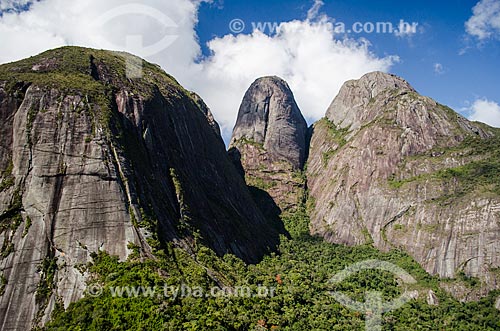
(299, 273)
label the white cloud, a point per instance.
(485, 21)
(313, 12)
(305, 53)
(53, 23)
(13, 5)
(438, 69)
(485, 111)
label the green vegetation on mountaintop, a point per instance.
(95, 75)
(73, 69)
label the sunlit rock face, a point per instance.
(390, 167)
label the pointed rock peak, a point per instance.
(269, 116)
(275, 81)
(348, 109)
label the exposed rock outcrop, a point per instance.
(396, 169)
(91, 160)
(432, 299)
(269, 141)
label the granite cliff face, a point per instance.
(269, 141)
(91, 160)
(396, 169)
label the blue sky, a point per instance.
(464, 77)
(452, 56)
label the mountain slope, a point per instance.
(396, 169)
(91, 160)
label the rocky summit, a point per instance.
(91, 161)
(392, 168)
(269, 141)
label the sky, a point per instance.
(448, 50)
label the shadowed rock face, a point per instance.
(269, 140)
(208, 114)
(396, 169)
(90, 160)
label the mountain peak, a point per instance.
(348, 109)
(86, 70)
(269, 142)
(377, 81)
(396, 169)
(269, 115)
(276, 80)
